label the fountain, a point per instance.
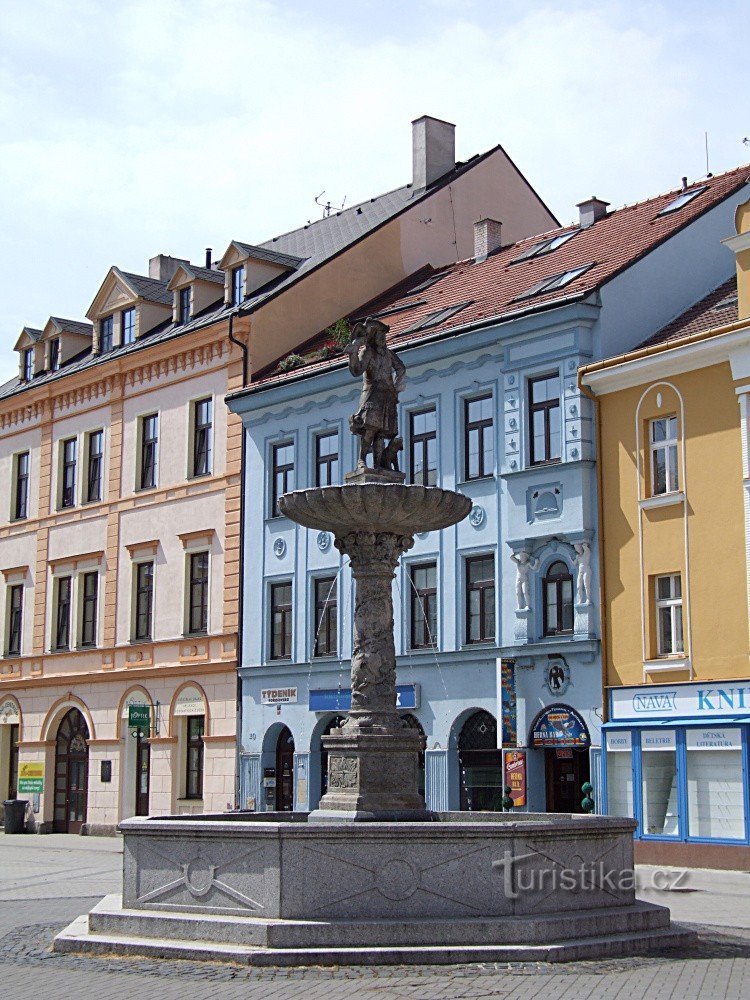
(372, 877)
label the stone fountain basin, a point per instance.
(377, 507)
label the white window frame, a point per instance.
(673, 603)
(672, 478)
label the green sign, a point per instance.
(139, 716)
(31, 777)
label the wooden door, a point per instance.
(142, 774)
(566, 772)
(71, 773)
(285, 771)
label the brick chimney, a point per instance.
(591, 211)
(433, 150)
(486, 238)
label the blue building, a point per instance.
(497, 619)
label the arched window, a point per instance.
(480, 764)
(558, 599)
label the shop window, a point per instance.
(423, 605)
(663, 443)
(326, 615)
(558, 600)
(327, 459)
(423, 447)
(659, 783)
(194, 777)
(620, 801)
(282, 473)
(479, 437)
(544, 419)
(281, 621)
(669, 615)
(716, 801)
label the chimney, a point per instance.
(162, 267)
(433, 150)
(209, 252)
(486, 238)
(591, 211)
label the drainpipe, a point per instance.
(241, 587)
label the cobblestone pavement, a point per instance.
(42, 888)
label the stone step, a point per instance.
(78, 938)
(108, 918)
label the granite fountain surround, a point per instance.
(372, 877)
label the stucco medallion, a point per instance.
(477, 516)
(324, 541)
(279, 548)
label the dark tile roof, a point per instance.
(496, 287)
(148, 288)
(207, 274)
(32, 332)
(718, 308)
(273, 256)
(73, 326)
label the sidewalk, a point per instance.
(700, 896)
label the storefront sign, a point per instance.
(338, 700)
(713, 739)
(514, 769)
(658, 739)
(31, 777)
(278, 696)
(619, 741)
(681, 701)
(139, 716)
(560, 726)
(190, 702)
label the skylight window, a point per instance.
(400, 308)
(546, 246)
(436, 318)
(553, 282)
(684, 199)
(427, 284)
(727, 303)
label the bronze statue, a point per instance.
(384, 374)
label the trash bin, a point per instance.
(15, 815)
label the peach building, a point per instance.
(120, 507)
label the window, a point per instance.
(684, 199)
(144, 600)
(28, 364)
(715, 794)
(198, 601)
(149, 443)
(183, 314)
(438, 317)
(554, 281)
(194, 776)
(480, 599)
(664, 473)
(238, 285)
(54, 355)
(94, 471)
(21, 498)
(15, 619)
(325, 617)
(544, 418)
(69, 459)
(282, 461)
(127, 326)
(62, 616)
(423, 447)
(89, 608)
(327, 459)
(106, 334)
(669, 615)
(479, 438)
(558, 599)
(202, 436)
(659, 782)
(545, 247)
(281, 621)
(423, 605)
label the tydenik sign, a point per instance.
(681, 701)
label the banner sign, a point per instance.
(713, 739)
(690, 701)
(560, 726)
(31, 777)
(509, 732)
(514, 769)
(340, 700)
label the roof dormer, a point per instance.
(63, 339)
(29, 354)
(127, 306)
(249, 268)
(194, 289)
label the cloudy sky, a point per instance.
(132, 127)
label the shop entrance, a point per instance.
(480, 763)
(142, 773)
(565, 770)
(71, 773)
(285, 771)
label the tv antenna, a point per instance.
(327, 206)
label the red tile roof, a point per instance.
(718, 308)
(494, 288)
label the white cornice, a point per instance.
(737, 243)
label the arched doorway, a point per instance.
(480, 764)
(333, 723)
(561, 732)
(71, 773)
(412, 722)
(285, 771)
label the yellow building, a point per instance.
(674, 488)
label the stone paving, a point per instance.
(46, 881)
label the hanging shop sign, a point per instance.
(278, 696)
(31, 777)
(139, 716)
(560, 726)
(337, 700)
(690, 701)
(514, 769)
